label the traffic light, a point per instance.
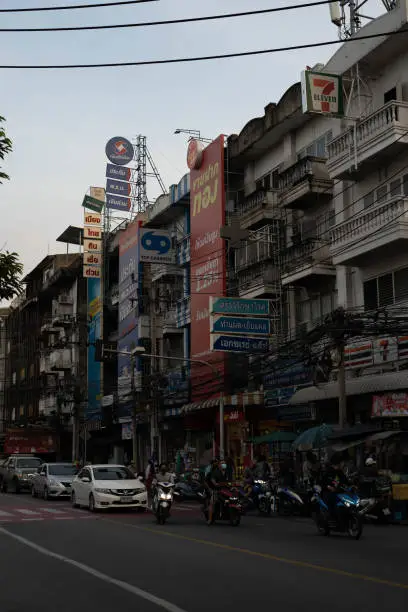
(98, 350)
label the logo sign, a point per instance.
(237, 306)
(92, 272)
(92, 203)
(92, 218)
(92, 259)
(118, 172)
(93, 232)
(118, 187)
(195, 153)
(119, 151)
(240, 325)
(98, 193)
(322, 93)
(93, 246)
(239, 344)
(155, 246)
(236, 416)
(118, 203)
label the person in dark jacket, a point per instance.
(334, 479)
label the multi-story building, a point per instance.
(46, 351)
(3, 352)
(329, 194)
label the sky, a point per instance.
(60, 121)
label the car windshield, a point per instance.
(62, 470)
(113, 473)
(29, 462)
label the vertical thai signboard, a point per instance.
(128, 311)
(92, 270)
(207, 216)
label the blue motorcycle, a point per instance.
(347, 518)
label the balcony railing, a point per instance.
(262, 278)
(379, 221)
(160, 271)
(304, 182)
(257, 207)
(306, 253)
(170, 321)
(370, 137)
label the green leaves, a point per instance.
(10, 272)
(5, 147)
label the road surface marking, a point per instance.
(52, 510)
(125, 586)
(64, 518)
(4, 513)
(25, 511)
(32, 519)
(304, 564)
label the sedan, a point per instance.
(53, 480)
(100, 487)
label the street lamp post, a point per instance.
(139, 351)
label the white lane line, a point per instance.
(125, 586)
(32, 519)
(4, 513)
(64, 518)
(52, 510)
(25, 511)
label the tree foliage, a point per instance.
(5, 147)
(10, 272)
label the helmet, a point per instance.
(370, 461)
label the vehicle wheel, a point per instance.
(355, 526)
(91, 505)
(322, 525)
(46, 494)
(16, 486)
(74, 501)
(264, 506)
(235, 519)
(33, 492)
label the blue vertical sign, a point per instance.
(93, 411)
(128, 312)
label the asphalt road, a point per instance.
(55, 558)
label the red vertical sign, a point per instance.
(207, 216)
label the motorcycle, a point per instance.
(375, 508)
(188, 490)
(287, 502)
(258, 499)
(227, 507)
(347, 519)
(162, 501)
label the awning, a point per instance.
(247, 398)
(383, 435)
(356, 386)
(339, 448)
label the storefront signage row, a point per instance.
(391, 405)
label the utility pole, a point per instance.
(134, 411)
(342, 386)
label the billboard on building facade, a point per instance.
(207, 270)
(128, 310)
(95, 314)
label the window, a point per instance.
(381, 194)
(368, 199)
(317, 148)
(386, 289)
(395, 188)
(390, 95)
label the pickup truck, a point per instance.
(17, 471)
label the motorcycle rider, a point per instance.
(215, 478)
(163, 475)
(332, 480)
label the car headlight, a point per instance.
(140, 490)
(107, 491)
(54, 483)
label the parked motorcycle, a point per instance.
(227, 506)
(287, 502)
(347, 518)
(163, 501)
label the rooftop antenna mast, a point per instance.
(142, 157)
(347, 15)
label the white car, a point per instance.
(100, 487)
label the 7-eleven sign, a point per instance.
(322, 93)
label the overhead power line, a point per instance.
(145, 24)
(200, 58)
(73, 7)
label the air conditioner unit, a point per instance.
(65, 298)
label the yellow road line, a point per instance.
(268, 556)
